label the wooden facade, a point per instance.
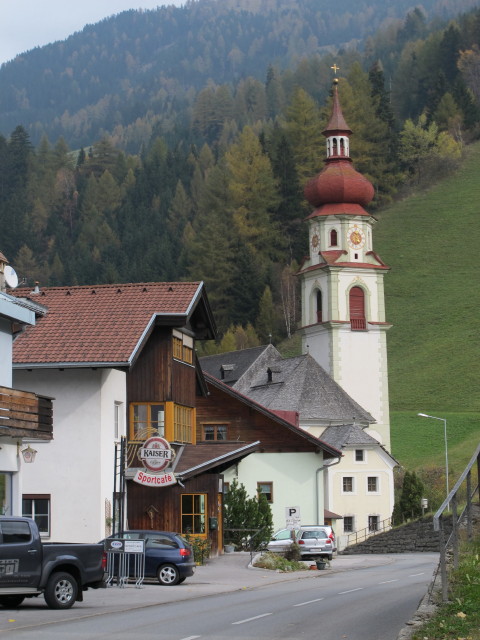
(25, 414)
(157, 377)
(160, 509)
(246, 424)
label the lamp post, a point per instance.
(424, 415)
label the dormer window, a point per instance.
(272, 374)
(225, 369)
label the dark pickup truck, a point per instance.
(59, 571)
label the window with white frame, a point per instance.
(359, 455)
(372, 484)
(117, 420)
(348, 523)
(37, 507)
(347, 484)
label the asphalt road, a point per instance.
(371, 603)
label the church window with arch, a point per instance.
(358, 321)
(333, 238)
(319, 305)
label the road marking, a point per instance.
(309, 602)
(350, 591)
(191, 637)
(413, 575)
(254, 618)
(387, 581)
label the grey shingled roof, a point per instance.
(230, 367)
(347, 435)
(297, 384)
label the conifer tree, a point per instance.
(304, 132)
(410, 499)
(253, 195)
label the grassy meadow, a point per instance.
(432, 293)
(431, 240)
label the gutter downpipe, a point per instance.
(324, 466)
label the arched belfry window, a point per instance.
(358, 321)
(333, 238)
(319, 306)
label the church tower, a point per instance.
(343, 307)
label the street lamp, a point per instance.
(424, 415)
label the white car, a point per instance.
(281, 540)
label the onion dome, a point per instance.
(338, 182)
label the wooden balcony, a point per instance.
(25, 414)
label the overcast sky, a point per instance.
(25, 24)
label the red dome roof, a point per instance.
(339, 182)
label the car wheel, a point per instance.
(61, 591)
(168, 575)
(11, 602)
(181, 580)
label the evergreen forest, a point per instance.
(174, 144)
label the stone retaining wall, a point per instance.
(417, 536)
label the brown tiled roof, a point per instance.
(105, 324)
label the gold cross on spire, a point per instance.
(335, 68)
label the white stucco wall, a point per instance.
(76, 468)
(294, 481)
(5, 352)
(361, 503)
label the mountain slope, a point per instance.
(433, 293)
(117, 70)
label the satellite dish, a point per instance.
(11, 277)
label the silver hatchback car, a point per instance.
(315, 541)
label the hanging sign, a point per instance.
(157, 480)
(156, 454)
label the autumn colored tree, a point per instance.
(304, 133)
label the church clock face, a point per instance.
(315, 239)
(356, 237)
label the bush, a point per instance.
(277, 562)
(246, 520)
(293, 552)
(201, 547)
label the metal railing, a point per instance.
(368, 532)
(125, 561)
(452, 501)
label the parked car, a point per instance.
(281, 540)
(330, 531)
(59, 571)
(168, 556)
(313, 540)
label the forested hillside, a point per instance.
(209, 185)
(139, 73)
